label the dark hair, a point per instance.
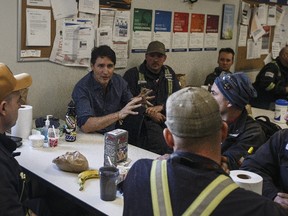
(102, 51)
(227, 50)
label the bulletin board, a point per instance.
(241, 62)
(44, 50)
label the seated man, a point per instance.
(152, 74)
(225, 61)
(233, 92)
(180, 185)
(272, 82)
(12, 180)
(271, 162)
(102, 97)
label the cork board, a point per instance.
(44, 50)
(241, 62)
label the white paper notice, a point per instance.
(271, 16)
(196, 41)
(89, 6)
(256, 29)
(121, 26)
(41, 3)
(243, 35)
(38, 27)
(64, 8)
(164, 37)
(107, 17)
(104, 36)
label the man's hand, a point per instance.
(224, 164)
(282, 199)
(128, 109)
(144, 94)
(154, 109)
(157, 117)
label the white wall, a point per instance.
(53, 84)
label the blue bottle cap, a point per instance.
(281, 102)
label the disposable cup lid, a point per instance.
(281, 102)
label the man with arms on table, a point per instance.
(233, 92)
(102, 97)
(191, 181)
(152, 74)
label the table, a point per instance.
(269, 113)
(38, 163)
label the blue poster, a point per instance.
(162, 21)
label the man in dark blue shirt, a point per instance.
(102, 97)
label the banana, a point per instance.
(85, 175)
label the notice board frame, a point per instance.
(21, 34)
(241, 62)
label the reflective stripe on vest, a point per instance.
(168, 76)
(204, 204)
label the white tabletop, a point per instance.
(269, 113)
(39, 162)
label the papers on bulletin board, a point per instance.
(121, 26)
(276, 47)
(38, 27)
(121, 51)
(242, 35)
(256, 30)
(63, 8)
(246, 13)
(73, 42)
(39, 3)
(89, 6)
(104, 36)
(253, 49)
(107, 17)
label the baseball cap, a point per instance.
(156, 47)
(192, 112)
(10, 83)
(236, 88)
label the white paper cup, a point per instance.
(36, 140)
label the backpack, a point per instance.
(267, 126)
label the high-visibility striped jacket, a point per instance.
(188, 175)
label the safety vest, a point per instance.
(204, 204)
(168, 76)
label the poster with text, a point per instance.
(196, 40)
(142, 30)
(227, 21)
(211, 35)
(162, 28)
(180, 32)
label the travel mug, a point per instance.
(108, 182)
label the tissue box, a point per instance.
(116, 147)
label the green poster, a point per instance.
(142, 20)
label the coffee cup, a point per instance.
(108, 182)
